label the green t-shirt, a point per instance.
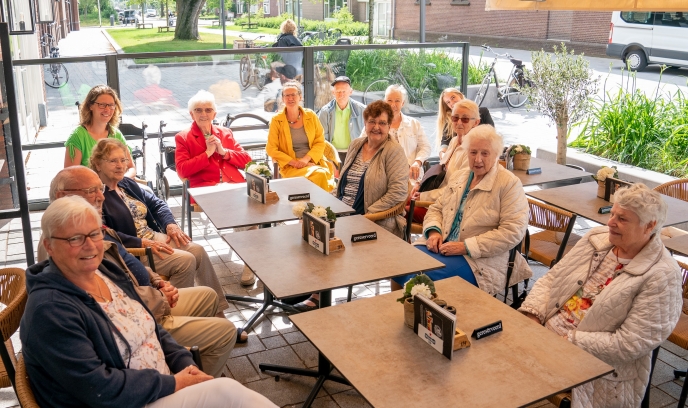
(82, 140)
(341, 138)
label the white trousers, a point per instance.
(218, 392)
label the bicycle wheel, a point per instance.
(55, 75)
(262, 70)
(245, 71)
(514, 97)
(482, 91)
(375, 91)
(428, 99)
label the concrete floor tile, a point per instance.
(659, 398)
(350, 399)
(242, 370)
(671, 347)
(264, 328)
(282, 323)
(274, 342)
(672, 359)
(333, 387)
(322, 402)
(284, 356)
(663, 373)
(252, 345)
(295, 337)
(672, 388)
(289, 390)
(307, 352)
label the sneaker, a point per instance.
(248, 277)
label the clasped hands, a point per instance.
(305, 161)
(213, 144)
(171, 293)
(191, 375)
(434, 244)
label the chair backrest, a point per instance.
(684, 273)
(331, 154)
(23, 386)
(252, 133)
(676, 188)
(429, 162)
(13, 294)
(548, 217)
(573, 166)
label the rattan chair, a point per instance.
(13, 296)
(415, 227)
(680, 334)
(23, 388)
(556, 239)
(677, 189)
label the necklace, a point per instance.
(100, 292)
(294, 122)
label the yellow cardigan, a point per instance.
(280, 147)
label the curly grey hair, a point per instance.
(647, 204)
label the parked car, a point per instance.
(151, 13)
(131, 17)
(641, 38)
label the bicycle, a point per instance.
(512, 90)
(162, 186)
(423, 96)
(54, 75)
(253, 72)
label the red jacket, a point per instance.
(201, 170)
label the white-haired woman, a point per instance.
(407, 131)
(480, 216)
(207, 154)
(84, 320)
(616, 295)
(448, 98)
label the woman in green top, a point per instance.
(99, 114)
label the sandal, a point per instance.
(303, 307)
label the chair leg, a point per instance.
(646, 401)
(684, 389)
(348, 295)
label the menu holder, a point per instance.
(611, 185)
(257, 188)
(434, 325)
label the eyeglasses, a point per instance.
(463, 120)
(78, 240)
(206, 110)
(379, 123)
(104, 106)
(115, 161)
(88, 192)
(294, 95)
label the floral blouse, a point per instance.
(138, 328)
(138, 212)
(574, 310)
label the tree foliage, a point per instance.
(562, 85)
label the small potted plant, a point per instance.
(521, 156)
(420, 285)
(259, 169)
(325, 213)
(602, 175)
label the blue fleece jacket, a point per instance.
(69, 346)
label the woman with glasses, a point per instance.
(374, 177)
(88, 339)
(296, 141)
(99, 115)
(448, 98)
(143, 220)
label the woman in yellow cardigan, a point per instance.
(296, 141)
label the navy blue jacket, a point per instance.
(117, 216)
(70, 351)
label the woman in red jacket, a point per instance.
(207, 154)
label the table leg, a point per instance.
(267, 301)
(323, 373)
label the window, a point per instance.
(669, 19)
(460, 3)
(333, 6)
(635, 17)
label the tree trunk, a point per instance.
(188, 12)
(371, 20)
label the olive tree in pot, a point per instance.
(561, 91)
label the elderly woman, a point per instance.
(616, 295)
(464, 118)
(296, 141)
(448, 98)
(89, 340)
(480, 216)
(374, 176)
(99, 114)
(407, 131)
(143, 220)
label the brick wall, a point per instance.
(313, 10)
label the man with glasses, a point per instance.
(342, 117)
(186, 313)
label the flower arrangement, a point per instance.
(315, 210)
(605, 172)
(516, 149)
(259, 169)
(420, 285)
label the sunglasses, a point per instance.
(463, 120)
(206, 110)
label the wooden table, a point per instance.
(582, 199)
(390, 366)
(228, 206)
(678, 244)
(551, 172)
(294, 268)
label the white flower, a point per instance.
(253, 169)
(258, 169)
(319, 211)
(605, 172)
(421, 289)
(518, 149)
(298, 209)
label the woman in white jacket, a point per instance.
(616, 295)
(480, 216)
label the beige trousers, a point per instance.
(193, 323)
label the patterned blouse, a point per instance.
(138, 328)
(574, 310)
(138, 212)
(353, 179)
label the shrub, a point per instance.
(347, 27)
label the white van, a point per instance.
(641, 38)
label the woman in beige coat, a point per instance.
(480, 216)
(616, 295)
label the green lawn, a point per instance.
(238, 29)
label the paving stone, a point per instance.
(671, 347)
(283, 356)
(282, 323)
(252, 345)
(663, 373)
(242, 370)
(350, 399)
(295, 337)
(289, 390)
(672, 388)
(672, 359)
(307, 352)
(322, 402)
(333, 387)
(274, 342)
(659, 398)
(264, 328)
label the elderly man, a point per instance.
(342, 117)
(186, 313)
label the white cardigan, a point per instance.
(413, 139)
(630, 317)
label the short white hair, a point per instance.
(647, 204)
(397, 88)
(73, 210)
(202, 96)
(152, 75)
(486, 133)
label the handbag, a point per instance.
(433, 178)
